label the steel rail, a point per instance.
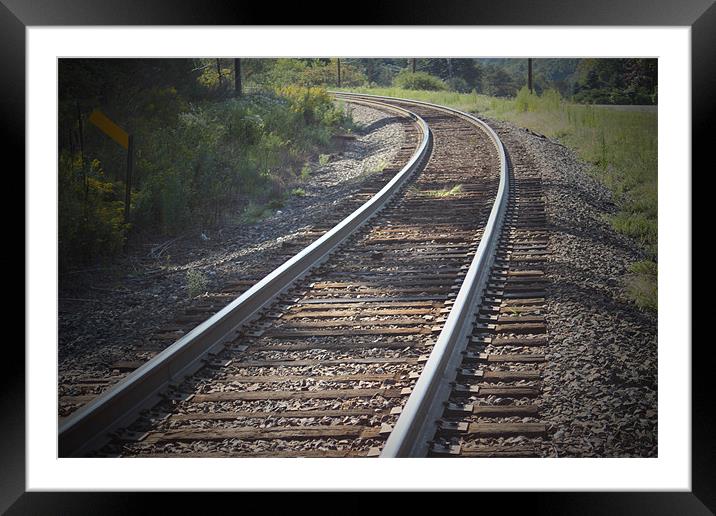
(420, 416)
(92, 425)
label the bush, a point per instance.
(327, 75)
(194, 163)
(91, 214)
(522, 100)
(642, 284)
(313, 103)
(194, 170)
(418, 81)
(458, 84)
(196, 283)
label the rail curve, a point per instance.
(418, 420)
(344, 306)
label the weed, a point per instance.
(323, 159)
(642, 284)
(275, 204)
(305, 172)
(445, 192)
(298, 192)
(377, 167)
(254, 213)
(196, 282)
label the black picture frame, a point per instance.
(700, 15)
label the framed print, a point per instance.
(122, 181)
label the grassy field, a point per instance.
(620, 144)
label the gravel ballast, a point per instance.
(599, 387)
(600, 382)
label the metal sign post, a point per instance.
(128, 181)
(126, 140)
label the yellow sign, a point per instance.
(109, 128)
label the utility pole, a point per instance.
(529, 74)
(218, 70)
(237, 77)
(414, 59)
(338, 63)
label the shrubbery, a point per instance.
(91, 221)
(305, 72)
(458, 84)
(217, 152)
(614, 96)
(418, 81)
(194, 164)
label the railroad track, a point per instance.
(355, 354)
(494, 405)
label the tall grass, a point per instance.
(621, 145)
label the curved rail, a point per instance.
(418, 420)
(91, 425)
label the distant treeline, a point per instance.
(589, 81)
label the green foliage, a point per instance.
(305, 172)
(254, 213)
(418, 81)
(642, 284)
(308, 73)
(445, 192)
(298, 192)
(215, 75)
(196, 283)
(198, 158)
(458, 84)
(637, 225)
(323, 159)
(616, 81)
(328, 75)
(498, 82)
(91, 222)
(609, 81)
(549, 100)
(275, 204)
(522, 100)
(314, 104)
(378, 166)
